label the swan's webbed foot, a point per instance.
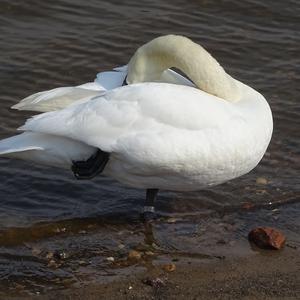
(148, 214)
(92, 166)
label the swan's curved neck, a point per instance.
(150, 60)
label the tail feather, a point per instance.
(17, 144)
(45, 149)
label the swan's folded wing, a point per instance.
(135, 110)
(57, 98)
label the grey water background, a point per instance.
(48, 44)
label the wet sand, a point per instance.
(102, 259)
(266, 275)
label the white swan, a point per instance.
(159, 131)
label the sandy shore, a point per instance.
(265, 275)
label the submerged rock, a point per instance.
(267, 238)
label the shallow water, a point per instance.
(46, 45)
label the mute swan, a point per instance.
(161, 131)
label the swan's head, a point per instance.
(152, 59)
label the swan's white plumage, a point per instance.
(151, 131)
(165, 134)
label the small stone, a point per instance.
(149, 253)
(36, 251)
(134, 255)
(169, 267)
(154, 282)
(60, 255)
(110, 259)
(261, 181)
(19, 286)
(172, 220)
(52, 264)
(130, 287)
(267, 238)
(49, 255)
(82, 231)
(121, 246)
(59, 230)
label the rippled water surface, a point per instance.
(47, 44)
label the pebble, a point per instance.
(154, 282)
(261, 181)
(36, 251)
(149, 253)
(59, 230)
(169, 267)
(60, 255)
(110, 259)
(20, 286)
(52, 264)
(134, 255)
(172, 220)
(49, 255)
(267, 238)
(121, 246)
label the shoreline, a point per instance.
(268, 274)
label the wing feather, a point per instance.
(134, 110)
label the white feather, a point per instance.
(45, 149)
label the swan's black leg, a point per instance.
(91, 167)
(148, 212)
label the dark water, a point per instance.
(47, 44)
